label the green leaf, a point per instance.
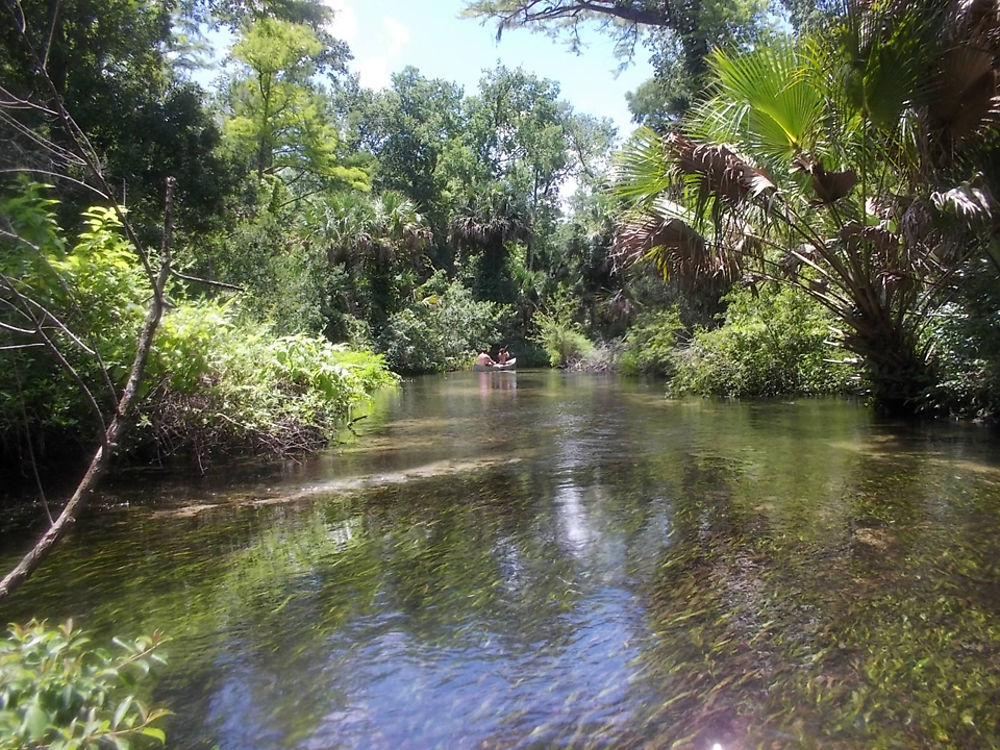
(155, 733)
(36, 721)
(123, 708)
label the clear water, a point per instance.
(540, 559)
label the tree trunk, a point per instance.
(898, 374)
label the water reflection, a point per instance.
(609, 569)
(502, 383)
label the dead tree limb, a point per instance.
(116, 429)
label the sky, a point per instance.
(387, 35)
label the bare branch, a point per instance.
(122, 419)
(56, 175)
(209, 282)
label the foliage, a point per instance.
(601, 357)
(442, 330)
(561, 336)
(269, 255)
(228, 386)
(376, 246)
(278, 117)
(771, 344)
(109, 64)
(833, 179)
(87, 300)
(651, 342)
(59, 691)
(215, 382)
(967, 332)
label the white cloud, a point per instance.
(345, 21)
(376, 53)
(374, 72)
(397, 35)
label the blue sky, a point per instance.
(387, 35)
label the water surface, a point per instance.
(540, 559)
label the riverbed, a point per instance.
(539, 559)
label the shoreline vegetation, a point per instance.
(323, 240)
(189, 273)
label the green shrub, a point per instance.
(218, 387)
(771, 344)
(58, 691)
(966, 343)
(94, 289)
(440, 332)
(650, 344)
(560, 335)
(214, 382)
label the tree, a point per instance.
(106, 61)
(484, 227)
(278, 115)
(37, 326)
(197, 16)
(378, 242)
(847, 156)
(520, 147)
(408, 129)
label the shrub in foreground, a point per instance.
(222, 388)
(59, 691)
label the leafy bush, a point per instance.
(219, 387)
(774, 343)
(89, 299)
(268, 253)
(966, 335)
(560, 335)
(650, 344)
(214, 382)
(441, 331)
(58, 691)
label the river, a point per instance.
(541, 559)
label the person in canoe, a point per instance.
(484, 359)
(503, 355)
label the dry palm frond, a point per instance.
(726, 175)
(676, 249)
(644, 234)
(828, 186)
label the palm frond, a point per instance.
(763, 100)
(970, 204)
(664, 234)
(642, 167)
(724, 173)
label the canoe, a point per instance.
(510, 364)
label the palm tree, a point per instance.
(483, 228)
(380, 244)
(837, 165)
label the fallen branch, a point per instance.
(116, 429)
